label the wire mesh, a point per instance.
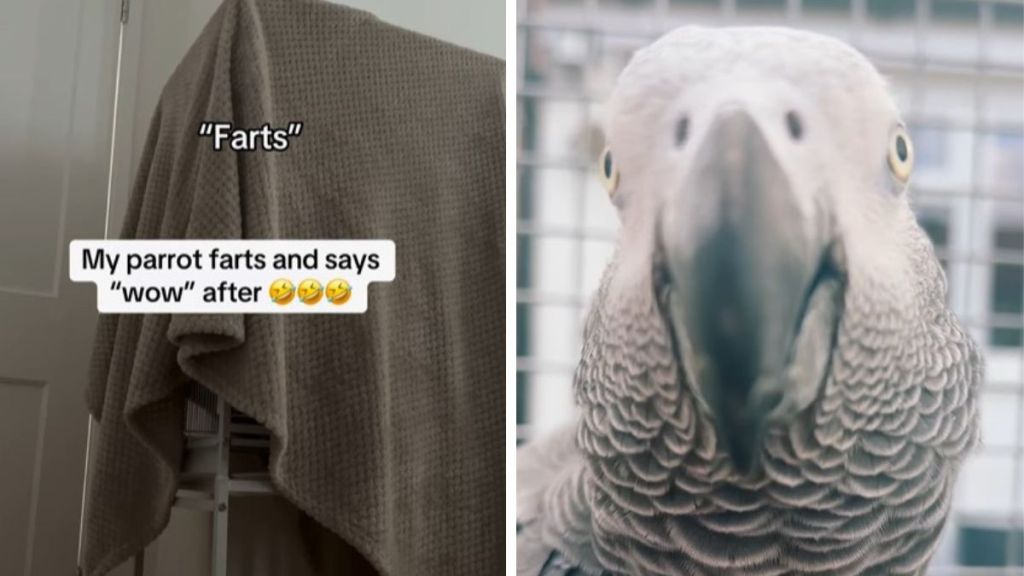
(955, 67)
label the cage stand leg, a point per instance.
(140, 563)
(219, 557)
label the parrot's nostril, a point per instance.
(795, 126)
(682, 129)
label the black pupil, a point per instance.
(608, 165)
(901, 148)
(682, 128)
(796, 129)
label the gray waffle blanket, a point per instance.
(388, 427)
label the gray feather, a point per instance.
(867, 426)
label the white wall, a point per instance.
(475, 24)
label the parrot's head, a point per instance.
(765, 173)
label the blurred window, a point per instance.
(956, 70)
(985, 543)
(935, 222)
(1009, 152)
(835, 6)
(1008, 284)
(930, 148)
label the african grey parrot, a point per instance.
(771, 381)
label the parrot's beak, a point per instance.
(743, 257)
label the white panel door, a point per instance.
(58, 62)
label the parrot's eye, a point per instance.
(901, 155)
(682, 130)
(794, 125)
(609, 172)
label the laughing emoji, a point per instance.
(310, 291)
(282, 291)
(338, 291)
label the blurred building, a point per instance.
(957, 71)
